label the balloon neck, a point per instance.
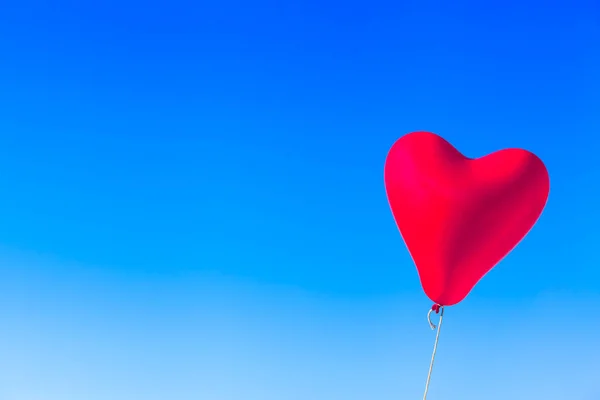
(436, 308)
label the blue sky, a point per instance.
(193, 206)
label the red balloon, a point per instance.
(460, 216)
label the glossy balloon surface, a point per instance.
(459, 216)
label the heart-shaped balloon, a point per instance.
(459, 216)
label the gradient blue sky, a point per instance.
(192, 201)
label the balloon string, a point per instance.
(438, 309)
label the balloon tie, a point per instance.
(438, 309)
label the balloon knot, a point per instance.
(436, 308)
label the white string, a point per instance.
(437, 337)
